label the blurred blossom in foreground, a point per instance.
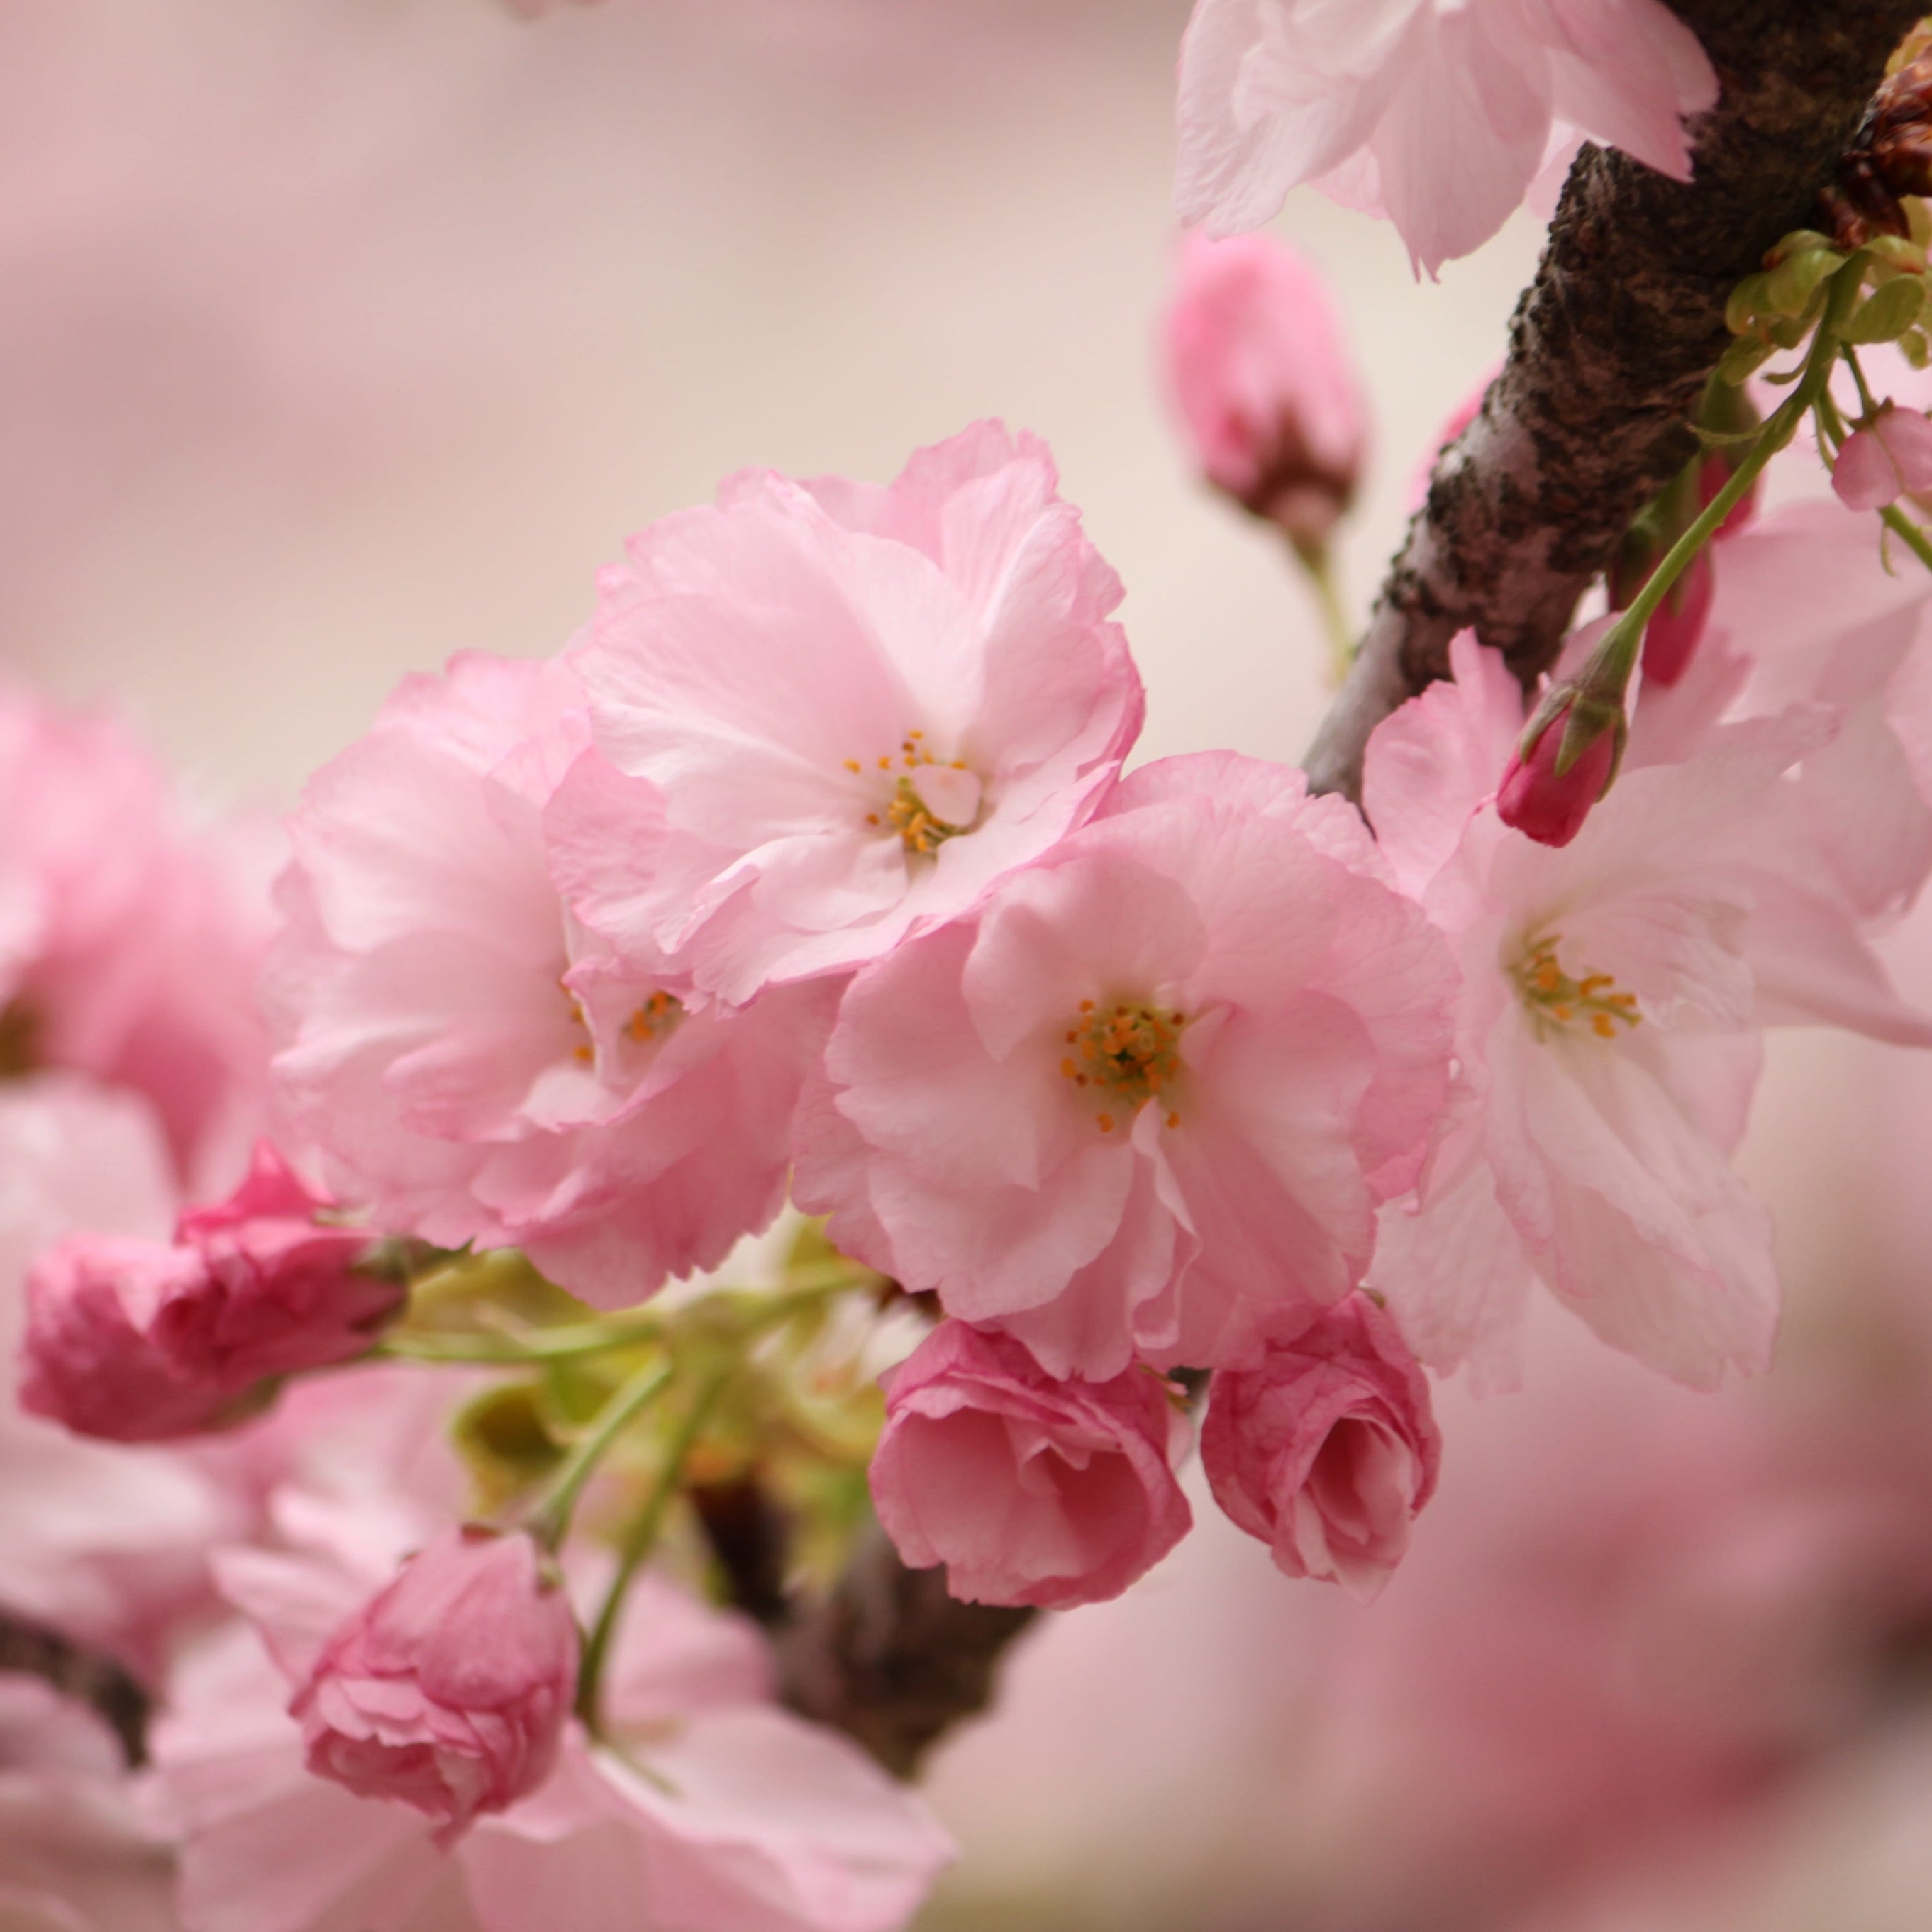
(1262, 382)
(1437, 115)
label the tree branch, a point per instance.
(89, 1677)
(890, 1659)
(1610, 347)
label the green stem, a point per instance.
(596, 1338)
(1615, 657)
(1908, 532)
(637, 1544)
(1866, 399)
(549, 1518)
(1318, 563)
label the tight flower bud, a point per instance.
(139, 1342)
(1543, 797)
(1888, 455)
(1030, 1490)
(1673, 634)
(1327, 1449)
(449, 1689)
(1262, 382)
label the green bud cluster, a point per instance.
(1779, 307)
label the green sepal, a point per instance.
(1744, 359)
(1789, 287)
(1887, 312)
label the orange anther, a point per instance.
(1106, 1124)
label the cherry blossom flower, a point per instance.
(1886, 458)
(107, 1545)
(861, 707)
(1154, 1089)
(1030, 1490)
(138, 1341)
(1806, 612)
(475, 1067)
(705, 1804)
(1262, 382)
(1439, 115)
(1608, 1036)
(449, 1689)
(128, 943)
(1327, 1448)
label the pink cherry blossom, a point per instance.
(703, 1805)
(1154, 1089)
(1030, 1490)
(138, 1341)
(105, 1545)
(1328, 1447)
(1608, 1037)
(475, 1067)
(1807, 611)
(128, 942)
(1262, 384)
(1439, 115)
(449, 1689)
(1548, 804)
(1891, 456)
(861, 707)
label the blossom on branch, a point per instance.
(1029, 1489)
(1608, 1035)
(859, 705)
(1154, 1089)
(477, 1067)
(1438, 115)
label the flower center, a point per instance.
(931, 801)
(654, 1020)
(1553, 998)
(19, 1035)
(1125, 1054)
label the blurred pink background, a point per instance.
(337, 335)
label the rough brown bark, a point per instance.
(1609, 349)
(84, 1675)
(890, 1659)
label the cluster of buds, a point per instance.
(1891, 161)
(1779, 307)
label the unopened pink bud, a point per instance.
(1890, 456)
(1327, 1448)
(1671, 638)
(1712, 475)
(139, 1342)
(1261, 378)
(1548, 806)
(449, 1689)
(1030, 1490)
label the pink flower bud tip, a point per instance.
(1549, 805)
(138, 1342)
(449, 1689)
(1889, 456)
(1262, 382)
